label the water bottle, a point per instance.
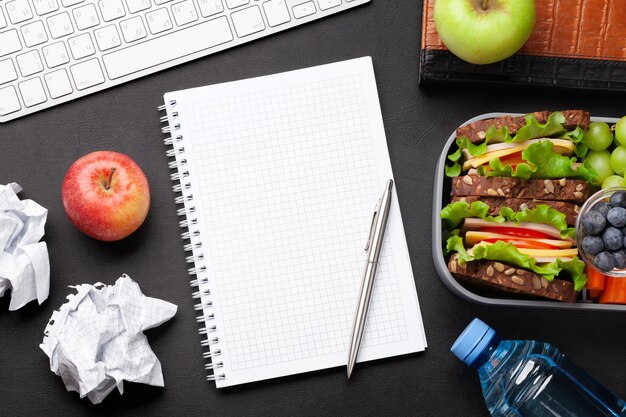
(525, 378)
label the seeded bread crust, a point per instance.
(504, 278)
(475, 132)
(517, 204)
(571, 190)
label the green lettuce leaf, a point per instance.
(508, 254)
(454, 170)
(576, 270)
(576, 136)
(454, 213)
(455, 244)
(543, 162)
(542, 213)
(554, 125)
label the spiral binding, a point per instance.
(191, 234)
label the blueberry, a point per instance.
(619, 259)
(613, 238)
(602, 207)
(618, 199)
(617, 216)
(604, 261)
(593, 222)
(593, 245)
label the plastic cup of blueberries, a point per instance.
(601, 231)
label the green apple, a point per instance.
(484, 31)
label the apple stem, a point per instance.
(484, 4)
(108, 184)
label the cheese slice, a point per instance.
(562, 146)
(473, 237)
(550, 253)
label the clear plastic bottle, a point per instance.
(524, 378)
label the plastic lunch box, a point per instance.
(441, 197)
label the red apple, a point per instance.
(106, 195)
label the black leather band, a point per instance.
(526, 69)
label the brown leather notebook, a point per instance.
(575, 43)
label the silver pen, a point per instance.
(373, 248)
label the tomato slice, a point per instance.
(528, 244)
(513, 156)
(517, 231)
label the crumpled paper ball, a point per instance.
(95, 341)
(24, 262)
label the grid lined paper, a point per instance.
(286, 171)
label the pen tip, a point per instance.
(349, 374)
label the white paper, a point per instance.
(24, 263)
(95, 340)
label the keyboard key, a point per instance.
(135, 6)
(87, 74)
(111, 9)
(236, 3)
(32, 92)
(34, 33)
(58, 83)
(9, 42)
(81, 46)
(133, 29)
(9, 102)
(60, 25)
(43, 7)
(184, 12)
(248, 21)
(7, 71)
(86, 16)
(167, 48)
(107, 38)
(328, 4)
(276, 12)
(68, 3)
(19, 11)
(55, 54)
(210, 7)
(159, 21)
(3, 20)
(303, 10)
(29, 63)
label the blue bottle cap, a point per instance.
(473, 341)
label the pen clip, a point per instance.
(371, 232)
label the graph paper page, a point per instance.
(285, 172)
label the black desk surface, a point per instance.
(36, 151)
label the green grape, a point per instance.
(600, 161)
(614, 181)
(599, 136)
(618, 160)
(620, 132)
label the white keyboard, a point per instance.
(53, 51)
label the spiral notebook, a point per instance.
(277, 178)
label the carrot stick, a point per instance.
(594, 294)
(614, 291)
(595, 279)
